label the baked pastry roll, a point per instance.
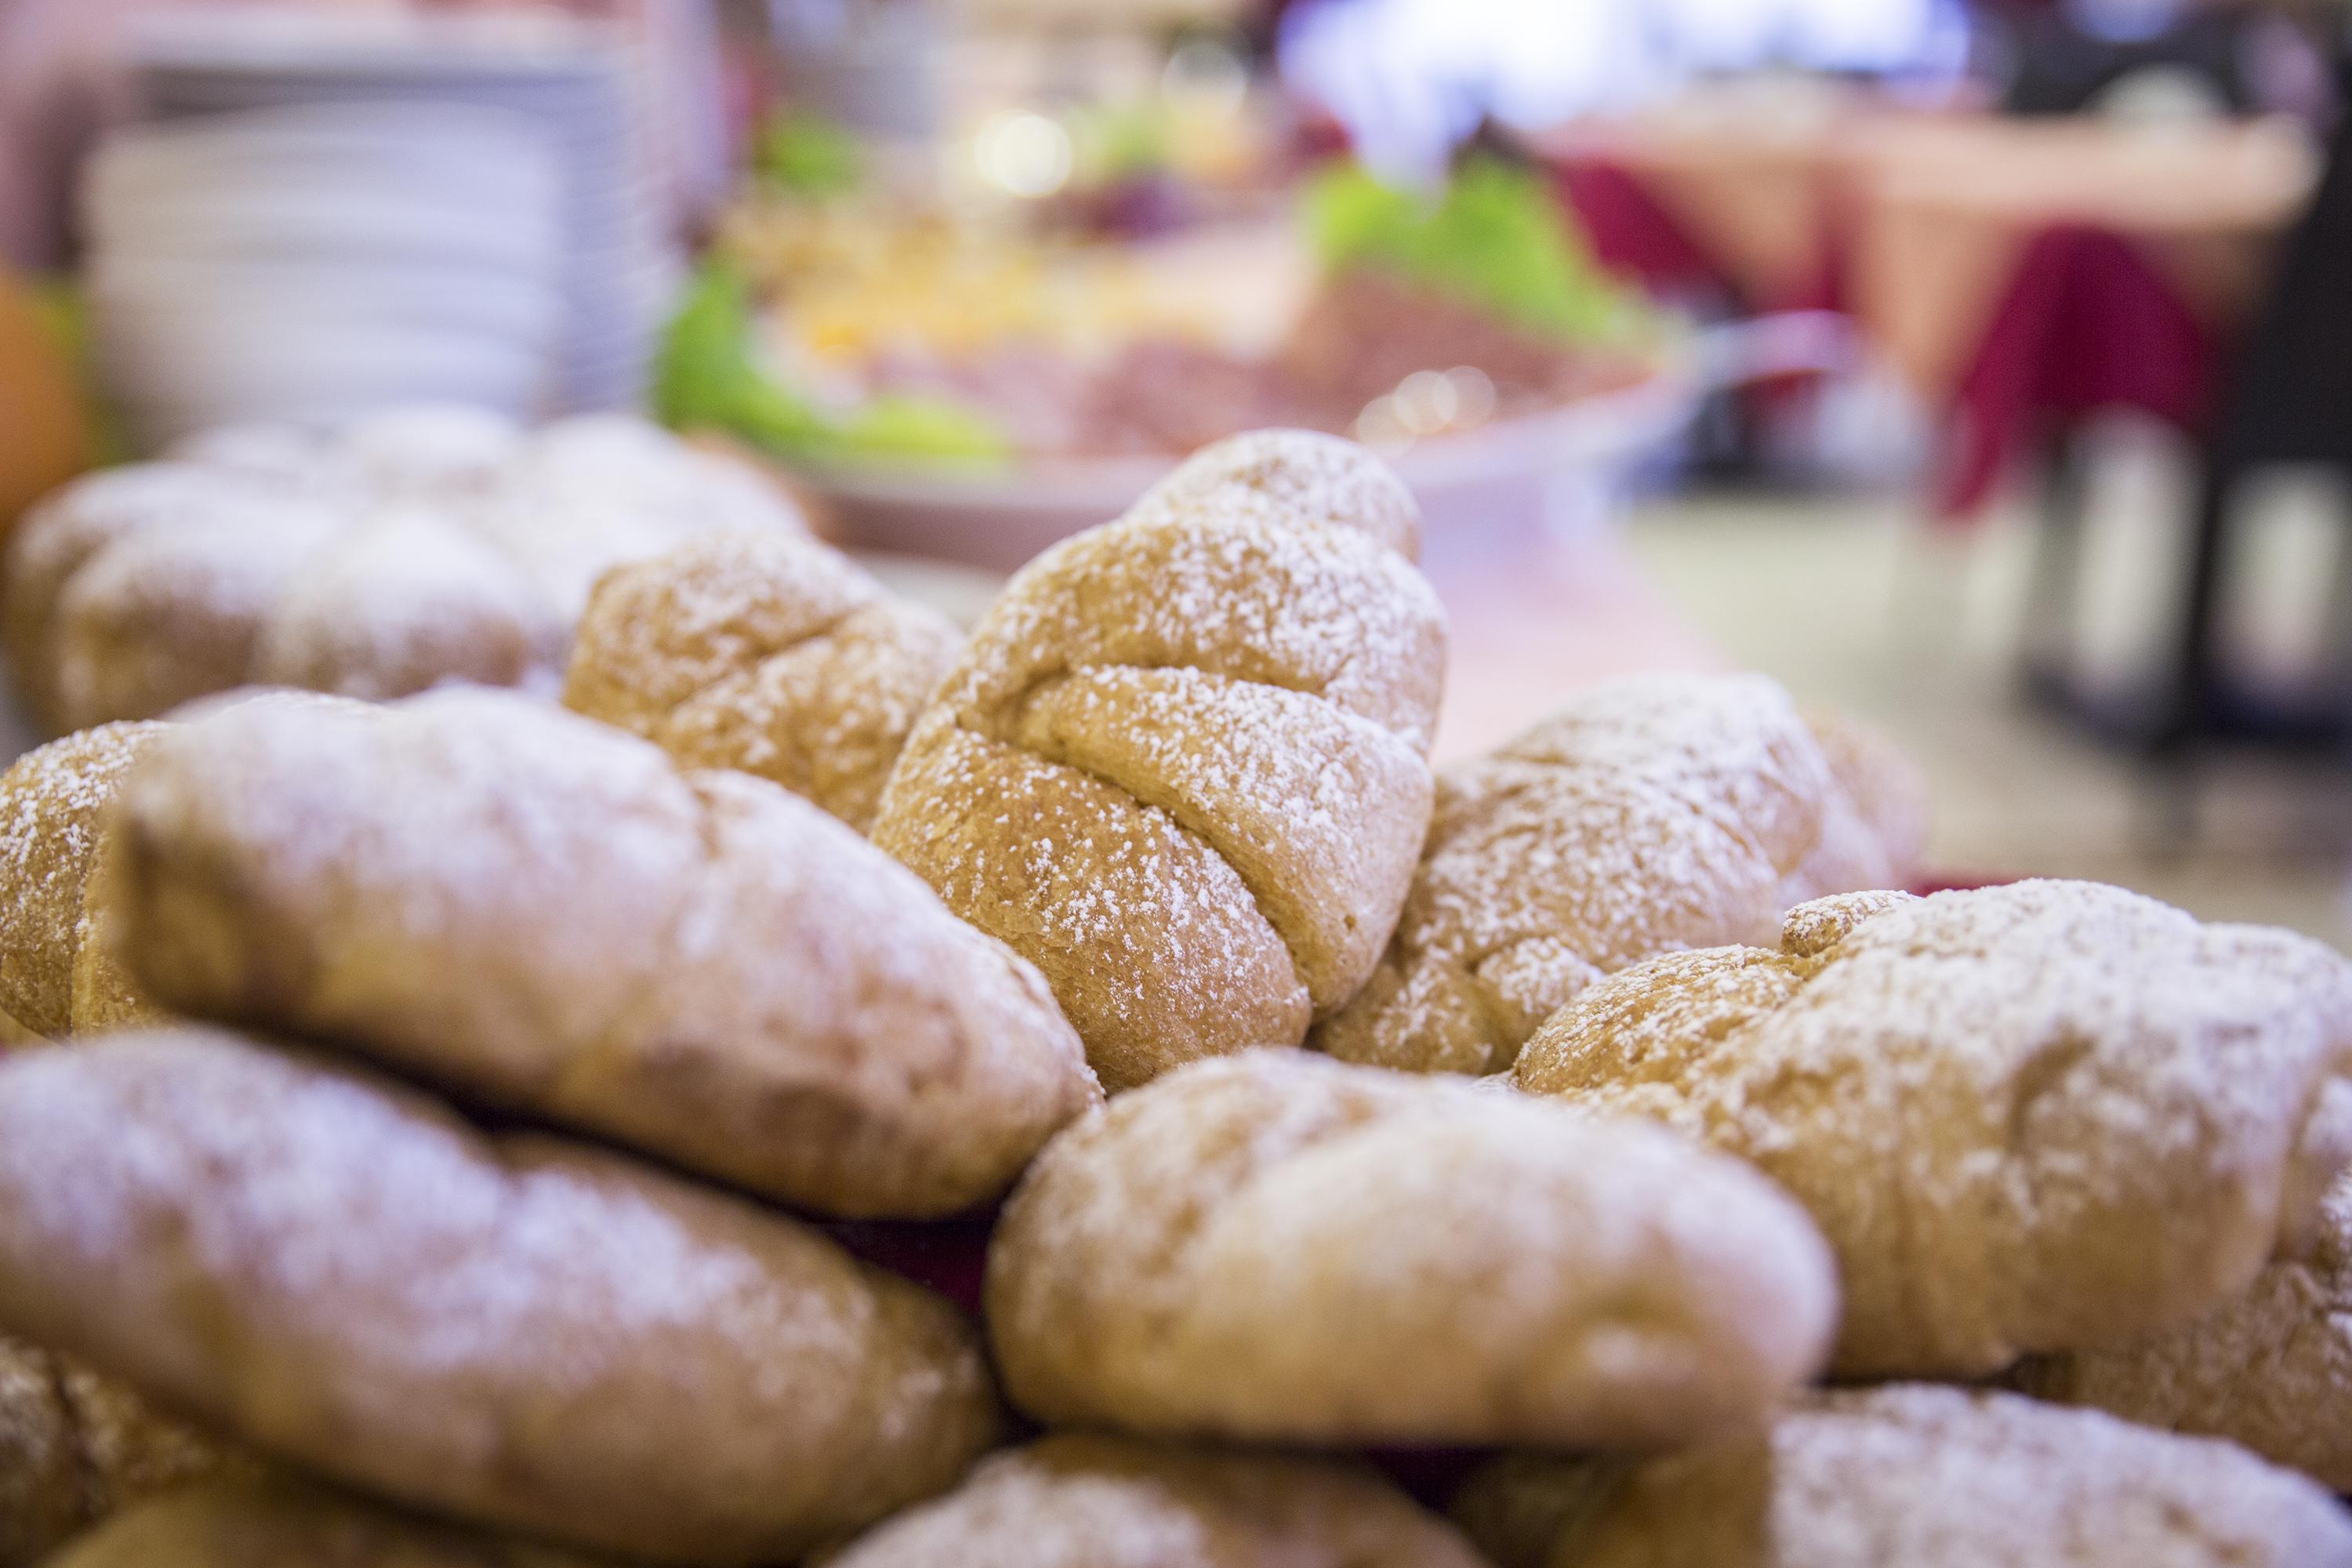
(76, 1447)
(542, 911)
(2031, 1118)
(78, 524)
(2271, 1370)
(1299, 473)
(765, 652)
(1074, 1502)
(517, 1331)
(1182, 768)
(58, 972)
(421, 545)
(1281, 1247)
(401, 603)
(279, 1523)
(1917, 1476)
(1649, 815)
(171, 613)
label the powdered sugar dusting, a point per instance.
(1074, 1501)
(51, 804)
(1318, 477)
(419, 545)
(1650, 815)
(2029, 1117)
(766, 653)
(1277, 1247)
(1135, 774)
(2271, 1370)
(512, 898)
(1937, 1478)
(517, 1332)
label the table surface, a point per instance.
(1924, 214)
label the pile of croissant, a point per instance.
(473, 1132)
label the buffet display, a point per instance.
(1090, 1094)
(1373, 311)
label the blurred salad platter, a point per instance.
(975, 378)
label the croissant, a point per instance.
(765, 652)
(1181, 768)
(1279, 1247)
(543, 911)
(1649, 815)
(1916, 1476)
(2030, 1118)
(2271, 1370)
(515, 1331)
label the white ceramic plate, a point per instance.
(1000, 520)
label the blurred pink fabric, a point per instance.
(62, 80)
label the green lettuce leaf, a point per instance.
(1495, 237)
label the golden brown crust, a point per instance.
(54, 975)
(76, 1447)
(401, 604)
(171, 613)
(1306, 474)
(515, 1331)
(43, 1498)
(79, 522)
(542, 911)
(1890, 798)
(1923, 1477)
(2271, 1370)
(2030, 1118)
(419, 546)
(1278, 1247)
(1072, 1501)
(1180, 768)
(280, 1523)
(766, 653)
(1650, 815)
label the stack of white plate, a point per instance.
(313, 263)
(572, 80)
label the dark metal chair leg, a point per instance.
(2184, 715)
(2051, 605)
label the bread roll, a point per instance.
(541, 911)
(77, 522)
(514, 1330)
(1181, 768)
(57, 974)
(1917, 1477)
(763, 652)
(420, 545)
(1303, 473)
(75, 1446)
(169, 608)
(43, 1498)
(1649, 815)
(1071, 1501)
(401, 603)
(2031, 1117)
(2271, 1370)
(284, 1524)
(1283, 1248)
